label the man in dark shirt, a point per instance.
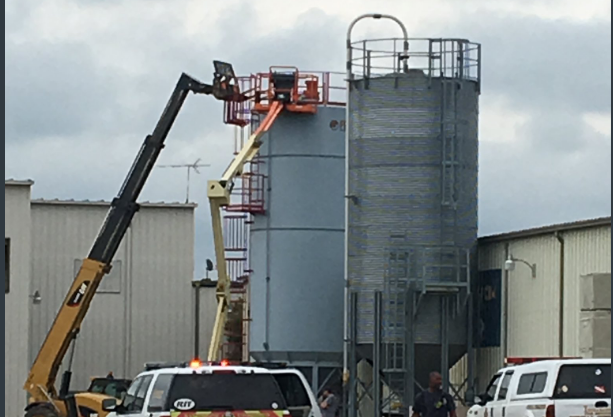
(329, 404)
(434, 402)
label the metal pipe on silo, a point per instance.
(405, 32)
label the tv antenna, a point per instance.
(193, 166)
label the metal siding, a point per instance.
(208, 311)
(61, 235)
(587, 252)
(17, 224)
(161, 295)
(122, 330)
(534, 303)
(299, 243)
(395, 175)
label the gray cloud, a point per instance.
(557, 170)
(54, 90)
(540, 64)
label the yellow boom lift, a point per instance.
(44, 399)
(283, 92)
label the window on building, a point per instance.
(111, 283)
(532, 383)
(7, 265)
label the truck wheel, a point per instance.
(42, 411)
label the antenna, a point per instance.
(193, 166)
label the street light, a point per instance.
(509, 265)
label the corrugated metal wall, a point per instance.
(17, 227)
(143, 311)
(534, 303)
(208, 310)
(587, 252)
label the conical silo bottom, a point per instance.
(427, 359)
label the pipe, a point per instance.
(268, 254)
(197, 320)
(349, 68)
(505, 290)
(560, 238)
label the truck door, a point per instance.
(498, 407)
(482, 410)
(299, 402)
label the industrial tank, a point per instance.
(296, 247)
(412, 206)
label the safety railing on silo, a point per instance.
(450, 58)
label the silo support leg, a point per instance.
(445, 311)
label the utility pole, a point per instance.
(193, 166)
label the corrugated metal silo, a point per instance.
(412, 215)
(296, 247)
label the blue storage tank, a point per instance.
(296, 248)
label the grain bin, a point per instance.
(411, 209)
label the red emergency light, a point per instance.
(195, 363)
(524, 360)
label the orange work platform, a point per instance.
(300, 92)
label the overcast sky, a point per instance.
(87, 80)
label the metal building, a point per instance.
(546, 304)
(411, 216)
(146, 298)
(293, 195)
(17, 242)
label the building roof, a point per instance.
(545, 230)
(103, 203)
(22, 183)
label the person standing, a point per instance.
(329, 404)
(434, 402)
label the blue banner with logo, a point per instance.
(490, 314)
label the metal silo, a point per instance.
(412, 145)
(296, 244)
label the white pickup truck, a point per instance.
(299, 396)
(548, 388)
(176, 390)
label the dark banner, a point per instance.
(490, 291)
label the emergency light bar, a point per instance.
(524, 360)
(194, 363)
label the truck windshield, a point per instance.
(225, 391)
(293, 390)
(583, 381)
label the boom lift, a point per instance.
(283, 93)
(45, 400)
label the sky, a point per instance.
(87, 80)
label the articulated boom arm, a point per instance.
(219, 196)
(41, 380)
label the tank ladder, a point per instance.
(247, 201)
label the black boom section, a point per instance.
(124, 206)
